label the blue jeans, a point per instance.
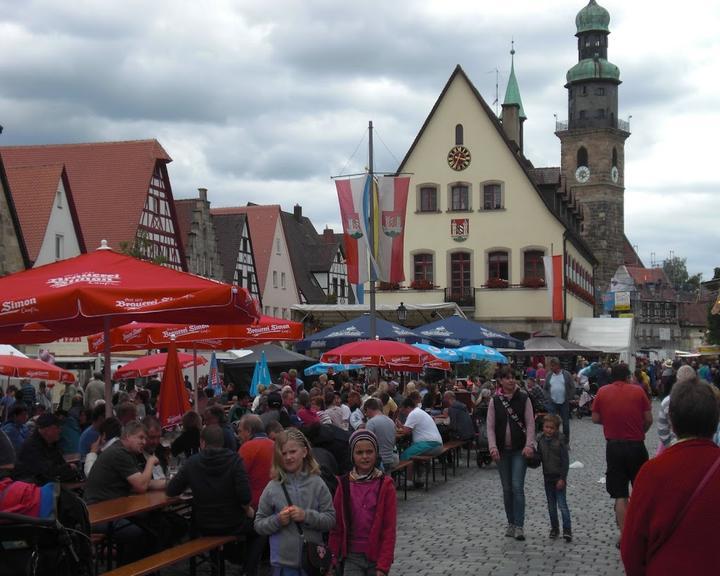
(557, 499)
(562, 410)
(512, 468)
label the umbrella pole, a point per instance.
(195, 384)
(108, 379)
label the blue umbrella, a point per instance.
(455, 331)
(354, 330)
(261, 375)
(323, 367)
(446, 354)
(479, 352)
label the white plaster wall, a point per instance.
(60, 222)
(278, 297)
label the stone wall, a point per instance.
(11, 259)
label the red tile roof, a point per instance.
(262, 221)
(647, 275)
(33, 189)
(109, 181)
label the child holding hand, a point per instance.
(555, 464)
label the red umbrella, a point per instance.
(173, 401)
(382, 353)
(143, 335)
(102, 289)
(155, 364)
(19, 367)
(77, 296)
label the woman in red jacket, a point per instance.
(363, 540)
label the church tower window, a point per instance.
(459, 135)
(614, 157)
(582, 157)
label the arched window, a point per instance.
(614, 157)
(459, 135)
(498, 265)
(582, 157)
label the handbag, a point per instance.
(316, 558)
(533, 461)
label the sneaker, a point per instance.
(567, 535)
(554, 533)
(519, 533)
(510, 531)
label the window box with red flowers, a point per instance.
(533, 282)
(497, 283)
(422, 285)
(388, 286)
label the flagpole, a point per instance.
(371, 239)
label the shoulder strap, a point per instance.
(512, 414)
(287, 497)
(708, 475)
(347, 508)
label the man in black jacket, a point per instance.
(40, 459)
(220, 487)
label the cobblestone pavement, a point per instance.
(457, 528)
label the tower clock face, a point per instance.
(614, 174)
(458, 158)
(582, 174)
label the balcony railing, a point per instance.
(564, 125)
(463, 297)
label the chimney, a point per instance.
(329, 235)
(297, 212)
(203, 194)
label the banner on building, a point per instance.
(622, 301)
(554, 282)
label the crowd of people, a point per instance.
(311, 462)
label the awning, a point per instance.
(326, 315)
(610, 335)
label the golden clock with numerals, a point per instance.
(459, 158)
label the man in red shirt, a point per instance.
(256, 452)
(625, 413)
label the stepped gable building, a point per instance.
(593, 143)
(46, 212)
(236, 251)
(121, 191)
(198, 235)
(318, 261)
(13, 252)
(480, 217)
(275, 278)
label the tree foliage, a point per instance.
(676, 270)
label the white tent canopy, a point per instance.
(6, 350)
(611, 335)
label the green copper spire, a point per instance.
(512, 93)
(592, 17)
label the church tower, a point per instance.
(592, 145)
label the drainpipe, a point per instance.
(563, 324)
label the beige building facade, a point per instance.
(477, 225)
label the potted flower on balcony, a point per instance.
(422, 285)
(533, 282)
(497, 283)
(388, 286)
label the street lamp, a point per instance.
(402, 313)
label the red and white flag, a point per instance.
(353, 195)
(554, 282)
(393, 195)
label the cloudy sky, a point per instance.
(264, 100)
